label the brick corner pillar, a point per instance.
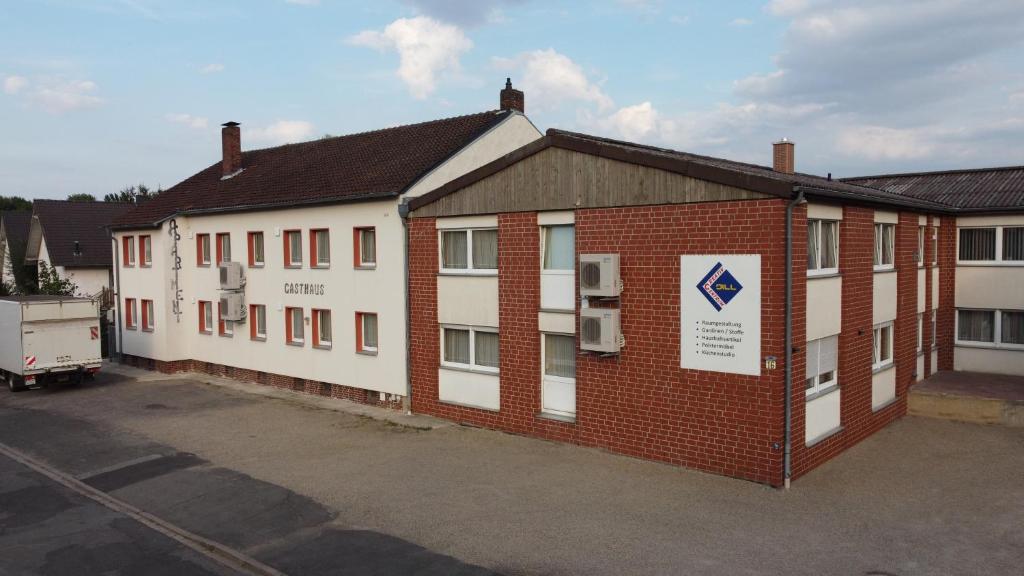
(947, 292)
(905, 333)
(424, 335)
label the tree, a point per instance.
(82, 197)
(14, 203)
(51, 284)
(134, 194)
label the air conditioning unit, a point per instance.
(599, 330)
(599, 275)
(232, 276)
(232, 306)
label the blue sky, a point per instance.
(96, 95)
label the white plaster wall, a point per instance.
(883, 387)
(557, 322)
(882, 216)
(824, 211)
(995, 361)
(990, 287)
(884, 298)
(90, 281)
(920, 368)
(935, 361)
(997, 220)
(467, 300)
(822, 415)
(824, 306)
(922, 289)
(469, 388)
(513, 133)
(935, 288)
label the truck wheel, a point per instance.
(15, 383)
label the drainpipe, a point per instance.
(117, 294)
(787, 454)
(403, 213)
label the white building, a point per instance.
(317, 233)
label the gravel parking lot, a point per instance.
(921, 497)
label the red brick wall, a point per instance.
(640, 403)
(947, 291)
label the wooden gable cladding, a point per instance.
(559, 179)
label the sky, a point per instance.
(97, 95)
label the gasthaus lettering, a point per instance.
(304, 288)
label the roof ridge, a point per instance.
(934, 173)
(375, 131)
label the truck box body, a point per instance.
(48, 335)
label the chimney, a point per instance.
(231, 143)
(512, 99)
(783, 156)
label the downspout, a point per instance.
(787, 471)
(403, 213)
(117, 295)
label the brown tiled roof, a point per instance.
(738, 174)
(16, 225)
(63, 223)
(969, 190)
(362, 166)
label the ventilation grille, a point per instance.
(590, 330)
(590, 275)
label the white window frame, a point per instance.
(359, 234)
(315, 234)
(920, 333)
(935, 329)
(131, 250)
(362, 333)
(469, 269)
(224, 241)
(289, 312)
(819, 271)
(545, 377)
(820, 388)
(876, 344)
(204, 249)
(132, 314)
(147, 316)
(472, 366)
(289, 262)
(260, 311)
(935, 245)
(879, 235)
(257, 236)
(543, 248)
(997, 330)
(146, 250)
(921, 235)
(229, 326)
(999, 261)
(320, 342)
(206, 313)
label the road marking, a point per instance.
(217, 552)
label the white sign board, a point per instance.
(720, 305)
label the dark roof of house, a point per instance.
(364, 166)
(63, 223)
(728, 172)
(968, 190)
(16, 226)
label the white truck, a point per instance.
(48, 339)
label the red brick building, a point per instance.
(497, 309)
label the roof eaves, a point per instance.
(903, 202)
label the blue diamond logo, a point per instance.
(719, 286)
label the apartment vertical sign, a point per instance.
(720, 307)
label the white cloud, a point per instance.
(882, 143)
(787, 7)
(15, 84)
(281, 132)
(426, 49)
(633, 122)
(741, 22)
(550, 79)
(211, 68)
(679, 20)
(57, 96)
(467, 13)
(188, 120)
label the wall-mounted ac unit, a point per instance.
(232, 276)
(599, 275)
(232, 306)
(599, 330)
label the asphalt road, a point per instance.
(314, 491)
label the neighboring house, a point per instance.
(14, 226)
(634, 298)
(316, 229)
(72, 237)
(988, 256)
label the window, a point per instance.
(935, 246)
(293, 326)
(822, 362)
(224, 327)
(365, 240)
(292, 249)
(1013, 244)
(884, 246)
(147, 315)
(882, 356)
(205, 317)
(935, 331)
(258, 322)
(256, 258)
(320, 248)
(999, 328)
(920, 332)
(822, 246)
(469, 250)
(223, 248)
(203, 249)
(321, 328)
(559, 248)
(920, 245)
(470, 348)
(146, 248)
(977, 244)
(366, 332)
(129, 313)
(128, 243)
(558, 394)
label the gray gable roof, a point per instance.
(984, 189)
(63, 223)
